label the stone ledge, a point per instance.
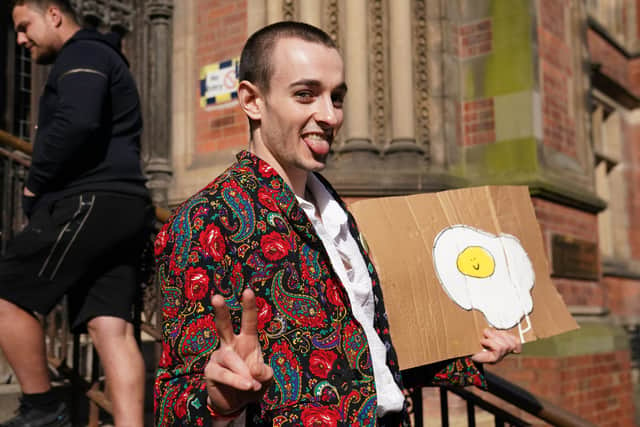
(591, 338)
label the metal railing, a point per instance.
(501, 396)
(83, 373)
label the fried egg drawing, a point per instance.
(490, 273)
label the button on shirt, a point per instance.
(330, 223)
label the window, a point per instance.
(22, 94)
(607, 131)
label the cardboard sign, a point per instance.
(456, 262)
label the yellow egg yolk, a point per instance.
(476, 261)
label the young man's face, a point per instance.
(35, 30)
(302, 111)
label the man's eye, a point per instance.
(337, 101)
(304, 95)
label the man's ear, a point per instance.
(250, 99)
(54, 15)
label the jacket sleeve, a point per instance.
(458, 372)
(191, 255)
(81, 85)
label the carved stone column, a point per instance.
(311, 12)
(446, 91)
(158, 97)
(331, 20)
(357, 131)
(422, 72)
(431, 31)
(401, 67)
(274, 11)
(256, 15)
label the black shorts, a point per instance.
(87, 247)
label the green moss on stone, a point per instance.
(516, 157)
(509, 67)
(591, 338)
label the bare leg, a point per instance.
(22, 341)
(123, 366)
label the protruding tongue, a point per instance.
(318, 146)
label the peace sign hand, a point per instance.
(236, 374)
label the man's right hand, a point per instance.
(236, 374)
(28, 200)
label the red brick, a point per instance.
(220, 35)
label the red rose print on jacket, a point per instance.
(181, 405)
(161, 241)
(264, 312)
(274, 246)
(334, 293)
(266, 199)
(266, 170)
(320, 416)
(212, 242)
(320, 362)
(196, 283)
(236, 278)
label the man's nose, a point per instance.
(327, 113)
(21, 39)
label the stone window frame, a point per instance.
(607, 121)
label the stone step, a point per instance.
(9, 394)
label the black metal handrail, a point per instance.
(498, 387)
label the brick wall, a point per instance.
(221, 32)
(474, 38)
(558, 219)
(634, 75)
(475, 118)
(478, 119)
(556, 72)
(632, 172)
(623, 297)
(596, 387)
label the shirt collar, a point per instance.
(333, 216)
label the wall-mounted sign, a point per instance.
(219, 82)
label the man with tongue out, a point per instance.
(272, 310)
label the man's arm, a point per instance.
(234, 376)
(76, 121)
(204, 363)
(465, 371)
(82, 92)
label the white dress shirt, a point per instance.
(330, 223)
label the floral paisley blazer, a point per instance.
(246, 229)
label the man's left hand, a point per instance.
(497, 344)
